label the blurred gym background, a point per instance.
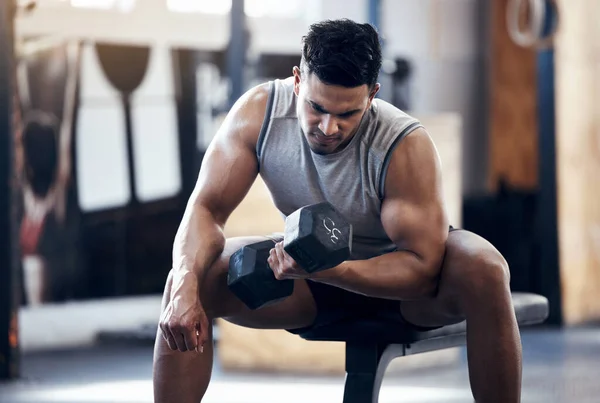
(114, 103)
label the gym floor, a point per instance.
(560, 366)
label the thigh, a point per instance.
(298, 310)
(464, 251)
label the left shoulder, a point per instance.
(414, 164)
(386, 111)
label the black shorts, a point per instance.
(335, 304)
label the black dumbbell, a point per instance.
(317, 237)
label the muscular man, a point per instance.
(321, 136)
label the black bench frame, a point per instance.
(366, 364)
(372, 344)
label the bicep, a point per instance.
(227, 173)
(413, 212)
(230, 165)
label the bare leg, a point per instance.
(184, 377)
(474, 285)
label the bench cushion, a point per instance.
(530, 309)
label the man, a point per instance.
(321, 136)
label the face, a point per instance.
(328, 114)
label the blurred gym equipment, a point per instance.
(536, 34)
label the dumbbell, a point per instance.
(317, 237)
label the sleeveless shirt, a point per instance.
(351, 179)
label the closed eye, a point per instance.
(319, 109)
(347, 114)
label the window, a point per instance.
(253, 8)
(273, 8)
(124, 6)
(199, 6)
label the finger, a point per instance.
(204, 332)
(286, 258)
(171, 341)
(180, 341)
(273, 262)
(190, 338)
(279, 252)
(272, 258)
(166, 334)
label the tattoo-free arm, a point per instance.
(228, 170)
(414, 217)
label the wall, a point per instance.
(150, 23)
(578, 157)
(443, 40)
(513, 144)
(447, 56)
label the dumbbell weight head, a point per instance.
(251, 279)
(317, 237)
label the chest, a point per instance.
(298, 180)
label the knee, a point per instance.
(486, 273)
(477, 269)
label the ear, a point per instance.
(374, 92)
(297, 80)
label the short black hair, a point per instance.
(342, 52)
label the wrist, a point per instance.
(184, 268)
(184, 281)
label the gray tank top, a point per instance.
(352, 180)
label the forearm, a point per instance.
(398, 275)
(198, 243)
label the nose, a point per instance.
(328, 125)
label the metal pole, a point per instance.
(549, 277)
(374, 18)
(9, 292)
(236, 52)
(374, 11)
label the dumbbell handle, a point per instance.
(302, 252)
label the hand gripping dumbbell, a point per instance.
(317, 237)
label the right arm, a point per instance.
(228, 171)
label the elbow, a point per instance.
(428, 280)
(428, 287)
(430, 269)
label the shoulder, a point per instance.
(245, 119)
(386, 110)
(389, 124)
(414, 162)
(416, 147)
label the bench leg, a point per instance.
(364, 371)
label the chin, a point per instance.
(320, 150)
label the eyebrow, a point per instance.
(320, 109)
